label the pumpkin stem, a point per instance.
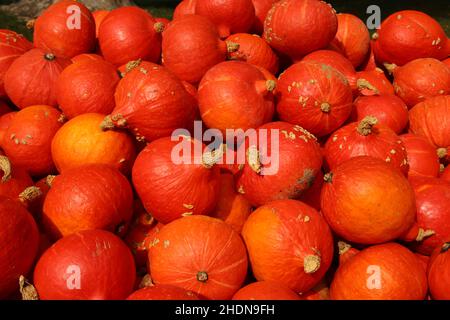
(159, 27)
(30, 24)
(343, 247)
(62, 118)
(131, 65)
(49, 56)
(202, 276)
(253, 159)
(442, 153)
(146, 282)
(232, 46)
(27, 290)
(5, 166)
(445, 247)
(49, 180)
(271, 85)
(325, 107)
(363, 84)
(422, 234)
(311, 263)
(328, 177)
(107, 124)
(30, 194)
(375, 36)
(390, 67)
(366, 124)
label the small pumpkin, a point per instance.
(162, 292)
(438, 272)
(265, 290)
(374, 82)
(422, 157)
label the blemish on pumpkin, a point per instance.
(188, 206)
(334, 138)
(122, 160)
(241, 189)
(308, 177)
(392, 151)
(388, 159)
(186, 214)
(16, 141)
(166, 244)
(12, 136)
(306, 219)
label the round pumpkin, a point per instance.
(367, 201)
(422, 157)
(265, 290)
(162, 292)
(262, 7)
(87, 265)
(185, 7)
(99, 16)
(373, 82)
(201, 254)
(296, 248)
(5, 121)
(439, 272)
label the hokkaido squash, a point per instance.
(374, 82)
(422, 157)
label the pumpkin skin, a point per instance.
(99, 16)
(421, 79)
(346, 252)
(447, 61)
(286, 177)
(12, 46)
(296, 249)
(162, 292)
(81, 141)
(87, 87)
(265, 290)
(401, 275)
(408, 35)
(31, 79)
(201, 254)
(445, 175)
(254, 50)
(422, 157)
(120, 42)
(349, 195)
(53, 34)
(29, 136)
(192, 187)
(373, 82)
(314, 22)
(366, 138)
(94, 196)
(87, 57)
(352, 39)
(424, 260)
(232, 16)
(19, 241)
(14, 179)
(235, 95)
(262, 7)
(311, 196)
(5, 121)
(102, 261)
(314, 96)
(390, 111)
(152, 102)
(438, 273)
(185, 7)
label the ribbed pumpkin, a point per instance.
(373, 82)
(95, 196)
(383, 272)
(151, 102)
(31, 79)
(99, 16)
(367, 201)
(262, 7)
(265, 290)
(296, 249)
(12, 46)
(183, 8)
(66, 29)
(162, 292)
(201, 254)
(422, 157)
(130, 33)
(5, 121)
(314, 96)
(438, 272)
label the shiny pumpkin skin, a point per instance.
(234, 95)
(192, 188)
(5, 121)
(53, 34)
(421, 79)
(185, 7)
(162, 292)
(374, 82)
(81, 141)
(408, 35)
(29, 136)
(201, 254)
(368, 201)
(12, 46)
(152, 102)
(286, 176)
(439, 272)
(265, 290)
(94, 196)
(314, 22)
(401, 275)
(19, 241)
(120, 41)
(422, 156)
(87, 265)
(31, 78)
(99, 16)
(390, 111)
(314, 96)
(87, 87)
(231, 16)
(296, 249)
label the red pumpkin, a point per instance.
(235, 95)
(265, 290)
(87, 265)
(408, 35)
(431, 119)
(87, 57)
(352, 39)
(445, 175)
(421, 79)
(232, 16)
(14, 179)
(185, 7)
(383, 272)
(296, 249)
(99, 16)
(422, 157)
(298, 27)
(439, 272)
(66, 29)
(201, 254)
(31, 79)
(281, 166)
(129, 33)
(91, 197)
(374, 82)
(390, 111)
(314, 96)
(12, 46)
(346, 252)
(29, 136)
(366, 138)
(367, 201)
(262, 7)
(151, 102)
(5, 121)
(19, 241)
(162, 292)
